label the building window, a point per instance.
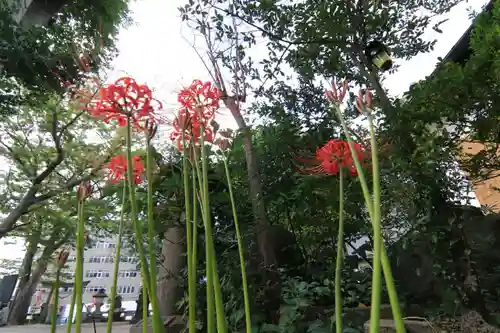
(128, 259)
(93, 273)
(105, 245)
(109, 260)
(94, 289)
(126, 289)
(101, 259)
(127, 274)
(66, 289)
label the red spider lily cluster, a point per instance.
(118, 169)
(123, 101)
(334, 156)
(199, 102)
(338, 91)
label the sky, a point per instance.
(157, 50)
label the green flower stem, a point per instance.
(55, 306)
(377, 238)
(208, 257)
(195, 230)
(135, 220)
(71, 311)
(145, 310)
(189, 240)
(219, 304)
(80, 243)
(157, 321)
(117, 262)
(246, 298)
(386, 267)
(340, 257)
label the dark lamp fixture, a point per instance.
(379, 55)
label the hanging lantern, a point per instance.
(379, 55)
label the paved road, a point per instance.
(86, 328)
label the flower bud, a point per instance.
(226, 133)
(62, 257)
(363, 100)
(337, 93)
(86, 238)
(151, 129)
(215, 126)
(223, 143)
(183, 119)
(84, 191)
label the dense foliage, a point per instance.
(444, 253)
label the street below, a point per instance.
(86, 328)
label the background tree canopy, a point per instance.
(444, 253)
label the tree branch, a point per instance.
(266, 33)
(17, 159)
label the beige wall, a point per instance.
(485, 190)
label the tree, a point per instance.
(49, 150)
(46, 230)
(42, 59)
(455, 105)
(321, 39)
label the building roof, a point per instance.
(460, 52)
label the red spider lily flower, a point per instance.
(363, 100)
(118, 169)
(338, 92)
(84, 191)
(191, 130)
(123, 100)
(200, 99)
(333, 156)
(198, 102)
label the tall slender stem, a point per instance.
(79, 267)
(377, 237)
(111, 310)
(71, 311)
(340, 257)
(189, 241)
(208, 257)
(145, 310)
(55, 306)
(246, 297)
(195, 230)
(386, 266)
(135, 220)
(219, 305)
(157, 322)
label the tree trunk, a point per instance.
(171, 263)
(24, 295)
(272, 290)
